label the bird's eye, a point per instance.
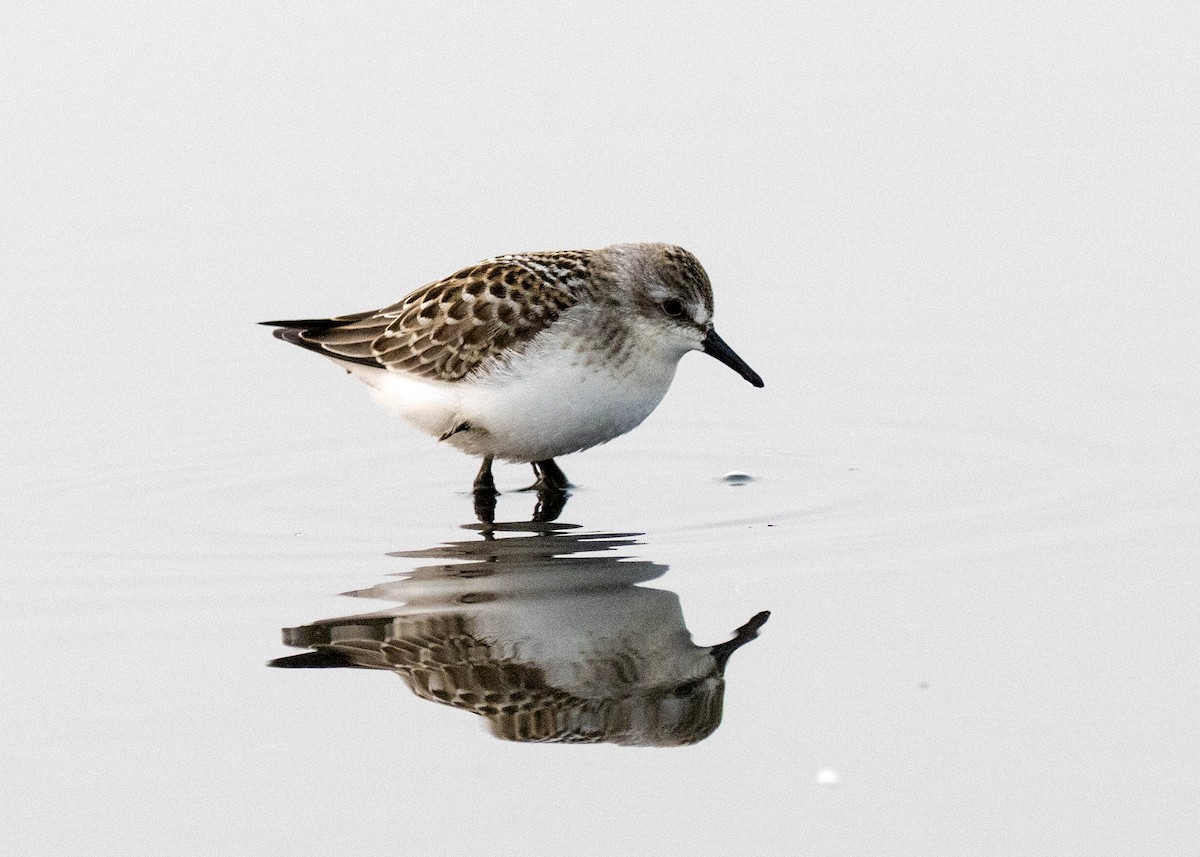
(672, 307)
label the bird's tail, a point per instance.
(315, 335)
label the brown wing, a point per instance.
(448, 329)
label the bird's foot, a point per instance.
(549, 477)
(484, 483)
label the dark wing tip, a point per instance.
(306, 323)
(320, 659)
(296, 332)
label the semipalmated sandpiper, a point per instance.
(530, 356)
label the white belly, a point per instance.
(548, 402)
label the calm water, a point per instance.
(949, 648)
(547, 645)
(960, 252)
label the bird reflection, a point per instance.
(545, 631)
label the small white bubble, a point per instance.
(736, 477)
(827, 777)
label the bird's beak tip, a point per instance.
(715, 346)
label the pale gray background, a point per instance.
(959, 240)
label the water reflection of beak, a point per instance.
(742, 636)
(715, 346)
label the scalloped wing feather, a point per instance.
(449, 328)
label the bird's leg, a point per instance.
(485, 493)
(553, 476)
(549, 477)
(484, 483)
(551, 488)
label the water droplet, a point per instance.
(827, 777)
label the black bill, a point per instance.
(715, 346)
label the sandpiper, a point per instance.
(530, 356)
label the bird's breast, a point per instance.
(558, 398)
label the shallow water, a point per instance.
(960, 253)
(951, 647)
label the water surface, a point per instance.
(958, 245)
